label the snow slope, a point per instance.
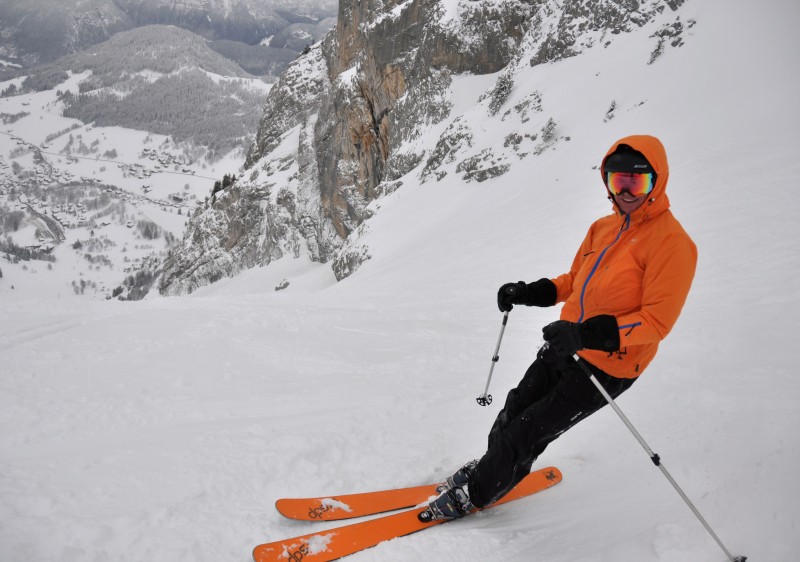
(164, 430)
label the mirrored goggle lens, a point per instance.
(635, 184)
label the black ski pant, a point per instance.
(551, 398)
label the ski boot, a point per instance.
(458, 480)
(453, 500)
(452, 504)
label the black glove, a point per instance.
(563, 337)
(511, 294)
(539, 293)
(599, 332)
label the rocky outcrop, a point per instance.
(566, 31)
(273, 209)
(339, 129)
(391, 64)
(346, 106)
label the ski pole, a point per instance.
(656, 459)
(485, 399)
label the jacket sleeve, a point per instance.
(667, 279)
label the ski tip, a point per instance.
(552, 474)
(258, 553)
(288, 509)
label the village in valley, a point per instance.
(83, 209)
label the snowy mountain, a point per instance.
(34, 31)
(165, 429)
(39, 31)
(163, 80)
(246, 21)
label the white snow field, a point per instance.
(164, 430)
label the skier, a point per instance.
(622, 296)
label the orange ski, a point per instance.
(347, 506)
(343, 541)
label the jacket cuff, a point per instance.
(542, 293)
(600, 332)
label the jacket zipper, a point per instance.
(623, 228)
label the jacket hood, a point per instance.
(652, 149)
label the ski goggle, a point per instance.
(635, 184)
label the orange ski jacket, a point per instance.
(636, 267)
